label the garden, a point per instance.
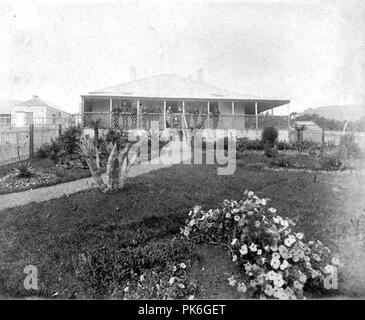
(186, 232)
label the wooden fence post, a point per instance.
(31, 141)
(59, 130)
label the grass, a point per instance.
(153, 207)
(46, 166)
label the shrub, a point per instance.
(348, 147)
(269, 135)
(246, 144)
(24, 169)
(42, 152)
(69, 140)
(50, 150)
(273, 261)
(331, 164)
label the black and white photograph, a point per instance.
(194, 151)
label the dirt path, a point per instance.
(169, 156)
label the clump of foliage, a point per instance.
(272, 260)
(246, 144)
(119, 162)
(348, 147)
(50, 150)
(151, 270)
(328, 163)
(69, 140)
(24, 169)
(269, 137)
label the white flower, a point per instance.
(126, 289)
(275, 255)
(274, 247)
(336, 261)
(253, 247)
(258, 201)
(228, 215)
(234, 241)
(330, 269)
(259, 252)
(275, 263)
(271, 275)
(299, 235)
(269, 290)
(284, 223)
(181, 285)
(303, 278)
(243, 250)
(241, 287)
(248, 267)
(172, 280)
(250, 194)
(174, 268)
(267, 248)
(257, 224)
(272, 210)
(141, 278)
(284, 265)
(278, 282)
(234, 258)
(231, 281)
(237, 218)
(283, 251)
(196, 209)
(192, 222)
(263, 202)
(182, 265)
(297, 285)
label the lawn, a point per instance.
(151, 210)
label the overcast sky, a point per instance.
(311, 52)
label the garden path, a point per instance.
(169, 155)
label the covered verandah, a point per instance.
(129, 113)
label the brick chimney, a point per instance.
(133, 73)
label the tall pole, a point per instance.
(256, 115)
(233, 118)
(208, 114)
(111, 111)
(137, 102)
(164, 114)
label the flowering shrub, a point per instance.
(273, 260)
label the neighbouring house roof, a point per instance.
(35, 101)
(7, 106)
(309, 125)
(170, 86)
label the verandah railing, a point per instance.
(130, 121)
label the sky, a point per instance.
(311, 52)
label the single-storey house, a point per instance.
(178, 102)
(38, 112)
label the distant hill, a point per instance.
(339, 112)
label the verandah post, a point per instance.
(233, 117)
(31, 141)
(137, 102)
(208, 119)
(164, 114)
(256, 116)
(110, 111)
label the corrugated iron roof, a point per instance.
(171, 86)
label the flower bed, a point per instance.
(272, 260)
(12, 183)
